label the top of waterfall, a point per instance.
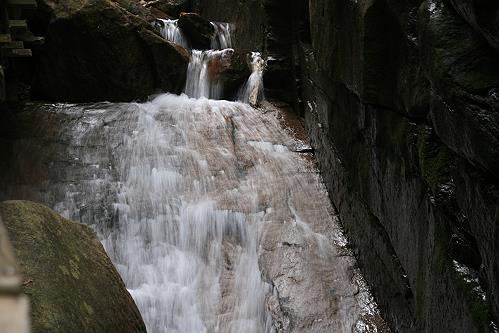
(170, 30)
(223, 37)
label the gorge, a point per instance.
(300, 166)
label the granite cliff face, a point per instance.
(401, 102)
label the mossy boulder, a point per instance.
(70, 281)
(98, 50)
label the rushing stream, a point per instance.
(211, 211)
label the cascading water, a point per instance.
(252, 91)
(202, 73)
(171, 32)
(222, 39)
(202, 76)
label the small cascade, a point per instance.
(204, 79)
(252, 91)
(203, 73)
(222, 39)
(172, 33)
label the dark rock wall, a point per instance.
(402, 105)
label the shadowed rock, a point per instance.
(96, 50)
(199, 30)
(483, 16)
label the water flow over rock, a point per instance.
(172, 33)
(252, 91)
(222, 39)
(203, 73)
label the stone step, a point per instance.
(5, 38)
(17, 44)
(15, 53)
(22, 3)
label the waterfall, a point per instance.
(203, 73)
(252, 91)
(222, 39)
(171, 32)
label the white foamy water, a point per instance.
(222, 39)
(171, 32)
(204, 73)
(252, 91)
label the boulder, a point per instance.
(96, 50)
(198, 30)
(70, 281)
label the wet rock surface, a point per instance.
(400, 100)
(71, 283)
